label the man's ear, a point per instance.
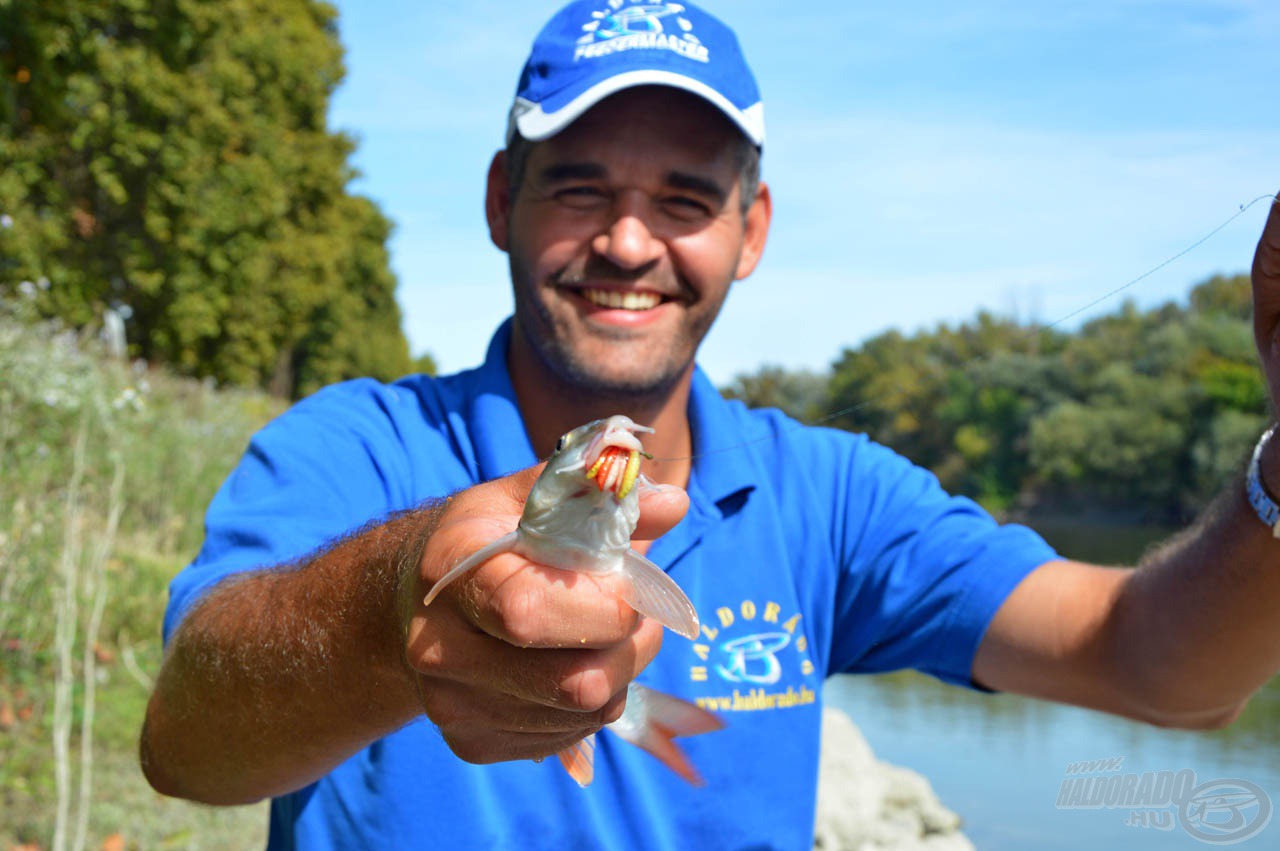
(497, 201)
(759, 214)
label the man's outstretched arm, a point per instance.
(279, 675)
(1187, 637)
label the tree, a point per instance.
(798, 393)
(957, 400)
(173, 156)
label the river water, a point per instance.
(1000, 761)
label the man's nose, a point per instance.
(628, 241)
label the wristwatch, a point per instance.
(1266, 508)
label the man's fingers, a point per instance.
(530, 605)
(1266, 290)
(1266, 262)
(579, 681)
(497, 498)
(517, 485)
(461, 707)
(661, 508)
(479, 747)
(481, 727)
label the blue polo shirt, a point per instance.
(806, 551)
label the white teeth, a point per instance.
(622, 300)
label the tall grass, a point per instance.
(105, 470)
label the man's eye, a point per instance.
(580, 196)
(686, 207)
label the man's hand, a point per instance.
(518, 660)
(279, 675)
(1266, 300)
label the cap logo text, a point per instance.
(633, 24)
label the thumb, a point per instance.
(661, 508)
(516, 486)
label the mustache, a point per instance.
(601, 270)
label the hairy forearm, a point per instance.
(279, 675)
(1187, 637)
(1198, 623)
(1183, 640)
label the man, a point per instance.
(302, 664)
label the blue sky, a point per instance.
(927, 159)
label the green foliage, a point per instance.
(1149, 411)
(71, 422)
(798, 394)
(1223, 296)
(172, 156)
(956, 400)
(424, 364)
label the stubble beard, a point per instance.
(581, 378)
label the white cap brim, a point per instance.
(528, 119)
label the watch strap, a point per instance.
(1265, 507)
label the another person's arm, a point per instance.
(277, 676)
(1187, 637)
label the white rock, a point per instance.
(868, 805)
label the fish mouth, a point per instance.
(617, 453)
(616, 470)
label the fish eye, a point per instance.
(561, 442)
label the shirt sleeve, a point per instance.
(922, 572)
(324, 468)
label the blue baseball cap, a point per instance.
(592, 49)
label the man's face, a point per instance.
(624, 235)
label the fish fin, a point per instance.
(579, 760)
(503, 545)
(651, 592)
(679, 716)
(666, 718)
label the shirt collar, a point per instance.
(497, 430)
(502, 444)
(720, 468)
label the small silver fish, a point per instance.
(579, 516)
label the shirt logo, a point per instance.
(753, 658)
(631, 24)
(753, 648)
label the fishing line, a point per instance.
(1244, 208)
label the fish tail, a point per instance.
(579, 760)
(663, 718)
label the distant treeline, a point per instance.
(1148, 412)
(171, 162)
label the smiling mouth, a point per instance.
(619, 300)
